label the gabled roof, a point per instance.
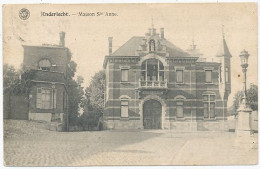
(129, 48)
(173, 50)
(223, 49)
(132, 45)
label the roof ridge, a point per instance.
(130, 47)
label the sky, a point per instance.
(87, 37)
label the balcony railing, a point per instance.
(152, 84)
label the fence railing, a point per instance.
(152, 84)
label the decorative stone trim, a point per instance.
(124, 67)
(124, 97)
(151, 56)
(179, 97)
(208, 68)
(181, 59)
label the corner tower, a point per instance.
(225, 69)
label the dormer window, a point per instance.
(44, 64)
(152, 45)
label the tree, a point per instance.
(75, 94)
(96, 90)
(10, 77)
(94, 101)
(17, 82)
(252, 98)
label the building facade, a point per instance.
(48, 98)
(153, 84)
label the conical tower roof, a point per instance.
(223, 48)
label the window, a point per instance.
(152, 45)
(124, 75)
(206, 110)
(227, 75)
(208, 76)
(212, 109)
(152, 70)
(179, 107)
(46, 98)
(179, 76)
(209, 106)
(124, 108)
(220, 74)
(44, 64)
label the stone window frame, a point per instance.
(180, 99)
(53, 98)
(206, 69)
(41, 68)
(125, 68)
(124, 98)
(182, 70)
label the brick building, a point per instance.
(153, 84)
(48, 96)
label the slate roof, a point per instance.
(132, 45)
(223, 49)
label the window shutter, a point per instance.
(206, 110)
(51, 99)
(212, 110)
(54, 99)
(39, 98)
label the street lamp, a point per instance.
(244, 106)
(244, 115)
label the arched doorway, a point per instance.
(152, 114)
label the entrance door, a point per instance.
(152, 114)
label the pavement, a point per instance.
(28, 143)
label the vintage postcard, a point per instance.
(130, 84)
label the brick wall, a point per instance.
(192, 88)
(16, 107)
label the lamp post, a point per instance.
(244, 106)
(244, 115)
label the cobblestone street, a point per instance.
(39, 147)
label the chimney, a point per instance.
(110, 45)
(162, 33)
(62, 39)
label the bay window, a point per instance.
(152, 70)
